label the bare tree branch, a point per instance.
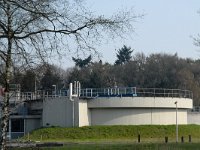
(35, 30)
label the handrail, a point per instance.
(159, 92)
(133, 92)
(195, 109)
(106, 92)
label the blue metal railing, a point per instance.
(133, 92)
(160, 92)
(108, 92)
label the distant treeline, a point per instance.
(153, 71)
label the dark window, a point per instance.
(17, 125)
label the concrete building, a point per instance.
(108, 106)
(194, 115)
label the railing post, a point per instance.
(43, 94)
(86, 92)
(135, 90)
(164, 93)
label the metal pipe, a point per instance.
(70, 91)
(176, 103)
(73, 113)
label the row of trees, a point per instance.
(153, 71)
(123, 56)
(41, 77)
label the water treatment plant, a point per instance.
(105, 106)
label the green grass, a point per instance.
(146, 146)
(131, 147)
(148, 133)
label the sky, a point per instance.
(167, 27)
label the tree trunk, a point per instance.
(5, 105)
(4, 120)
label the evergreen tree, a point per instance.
(82, 62)
(123, 55)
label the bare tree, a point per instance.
(34, 31)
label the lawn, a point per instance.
(127, 146)
(131, 147)
(117, 137)
(148, 133)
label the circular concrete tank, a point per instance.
(139, 109)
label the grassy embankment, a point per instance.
(134, 146)
(148, 133)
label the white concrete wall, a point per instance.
(57, 112)
(193, 117)
(140, 102)
(115, 111)
(168, 116)
(84, 114)
(138, 110)
(134, 116)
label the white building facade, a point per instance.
(108, 106)
(118, 109)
